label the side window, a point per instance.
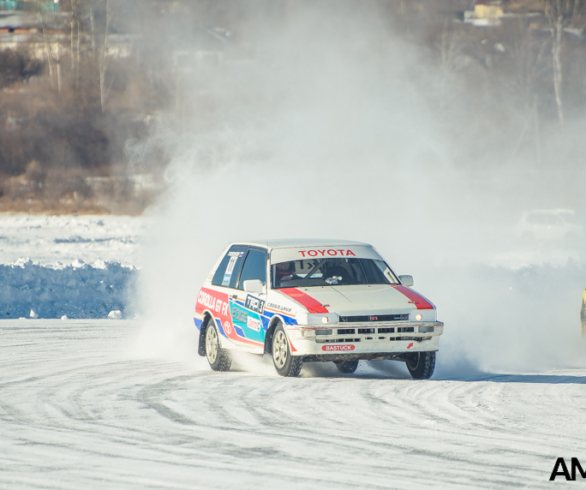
(255, 267)
(227, 272)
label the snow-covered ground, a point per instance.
(129, 404)
(79, 410)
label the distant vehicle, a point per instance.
(315, 301)
(549, 224)
(583, 313)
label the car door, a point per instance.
(216, 296)
(247, 308)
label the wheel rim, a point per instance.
(414, 363)
(280, 349)
(211, 344)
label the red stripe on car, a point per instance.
(312, 305)
(419, 301)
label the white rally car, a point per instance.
(314, 300)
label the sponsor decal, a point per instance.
(327, 253)
(254, 324)
(254, 304)
(247, 324)
(373, 318)
(410, 345)
(239, 315)
(337, 348)
(561, 469)
(217, 302)
(221, 305)
(278, 307)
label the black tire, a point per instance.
(201, 348)
(347, 367)
(421, 365)
(285, 363)
(219, 359)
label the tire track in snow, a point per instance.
(76, 411)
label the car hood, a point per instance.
(347, 300)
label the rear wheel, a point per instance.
(347, 367)
(421, 364)
(219, 359)
(285, 363)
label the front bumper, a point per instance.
(364, 341)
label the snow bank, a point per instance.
(79, 290)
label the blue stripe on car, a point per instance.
(198, 323)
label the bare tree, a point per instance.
(529, 58)
(75, 33)
(48, 51)
(451, 60)
(100, 50)
(561, 15)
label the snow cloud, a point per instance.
(335, 128)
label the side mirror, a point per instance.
(253, 286)
(405, 281)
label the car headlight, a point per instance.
(423, 316)
(316, 319)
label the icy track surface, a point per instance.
(77, 411)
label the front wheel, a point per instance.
(347, 367)
(285, 363)
(421, 365)
(219, 359)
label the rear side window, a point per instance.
(227, 272)
(255, 267)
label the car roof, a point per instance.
(300, 242)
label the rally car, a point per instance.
(314, 301)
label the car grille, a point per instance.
(358, 339)
(373, 318)
(352, 331)
(330, 341)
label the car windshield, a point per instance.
(330, 272)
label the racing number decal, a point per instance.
(234, 256)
